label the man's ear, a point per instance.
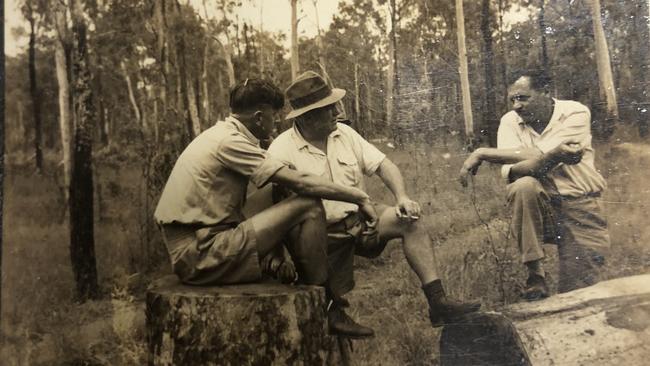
(257, 117)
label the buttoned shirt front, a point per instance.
(208, 183)
(570, 119)
(349, 157)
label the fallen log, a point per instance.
(605, 324)
(255, 324)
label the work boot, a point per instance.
(342, 325)
(536, 288)
(443, 310)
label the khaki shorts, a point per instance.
(346, 239)
(213, 255)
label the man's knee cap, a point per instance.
(525, 185)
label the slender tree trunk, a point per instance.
(132, 99)
(357, 101)
(65, 120)
(295, 63)
(604, 70)
(193, 106)
(33, 90)
(641, 62)
(464, 73)
(82, 245)
(392, 68)
(504, 52)
(2, 148)
(490, 120)
(542, 32)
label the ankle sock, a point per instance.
(535, 267)
(433, 291)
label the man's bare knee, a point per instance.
(312, 208)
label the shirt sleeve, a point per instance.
(507, 138)
(575, 125)
(248, 159)
(368, 155)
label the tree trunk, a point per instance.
(61, 52)
(490, 120)
(82, 245)
(253, 324)
(132, 99)
(295, 63)
(193, 106)
(542, 32)
(357, 101)
(391, 78)
(464, 73)
(33, 90)
(607, 89)
(641, 62)
(605, 324)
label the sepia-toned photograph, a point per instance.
(325, 182)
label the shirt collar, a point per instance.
(300, 141)
(238, 126)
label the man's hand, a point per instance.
(470, 165)
(369, 213)
(568, 152)
(407, 209)
(286, 272)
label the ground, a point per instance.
(468, 227)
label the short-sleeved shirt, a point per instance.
(570, 119)
(207, 186)
(349, 157)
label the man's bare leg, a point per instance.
(420, 256)
(310, 248)
(415, 242)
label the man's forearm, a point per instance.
(535, 167)
(507, 156)
(314, 186)
(392, 178)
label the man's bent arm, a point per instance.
(314, 186)
(535, 167)
(392, 178)
(507, 156)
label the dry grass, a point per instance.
(468, 228)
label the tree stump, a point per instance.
(605, 324)
(254, 324)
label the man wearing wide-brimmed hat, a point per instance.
(319, 145)
(210, 240)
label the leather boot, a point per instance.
(443, 310)
(536, 288)
(342, 325)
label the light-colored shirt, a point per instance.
(570, 119)
(349, 157)
(207, 185)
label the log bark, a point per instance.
(253, 324)
(295, 63)
(604, 324)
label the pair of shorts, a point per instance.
(213, 255)
(346, 239)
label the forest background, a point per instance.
(107, 93)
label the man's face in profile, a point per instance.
(530, 104)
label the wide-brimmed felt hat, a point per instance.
(310, 91)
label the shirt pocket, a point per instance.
(348, 167)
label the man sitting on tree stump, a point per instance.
(209, 240)
(545, 147)
(321, 146)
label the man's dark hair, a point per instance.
(251, 93)
(539, 79)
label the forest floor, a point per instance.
(468, 227)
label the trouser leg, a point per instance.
(532, 216)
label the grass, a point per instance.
(468, 228)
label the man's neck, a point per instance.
(245, 120)
(318, 141)
(540, 125)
